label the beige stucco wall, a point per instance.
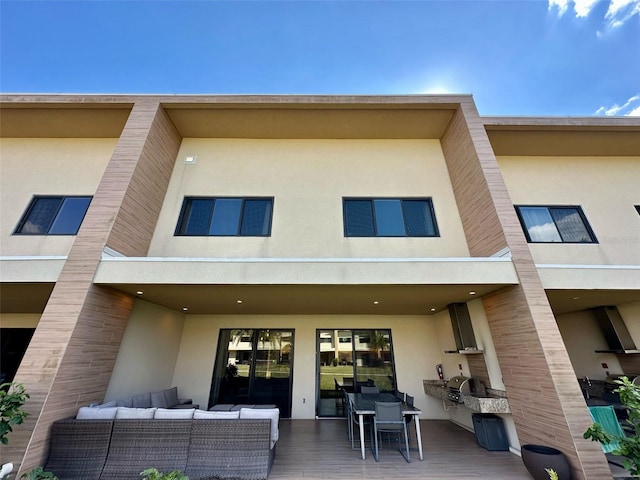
(630, 313)
(148, 352)
(308, 179)
(42, 166)
(608, 205)
(19, 320)
(582, 336)
(415, 342)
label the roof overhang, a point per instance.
(564, 136)
(235, 116)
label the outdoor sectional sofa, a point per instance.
(167, 398)
(211, 445)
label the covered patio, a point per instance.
(319, 449)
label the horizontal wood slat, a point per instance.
(544, 396)
(72, 353)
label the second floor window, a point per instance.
(389, 217)
(204, 216)
(553, 224)
(53, 215)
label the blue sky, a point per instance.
(517, 57)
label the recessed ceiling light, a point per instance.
(575, 298)
(139, 292)
(190, 159)
(472, 293)
(238, 301)
(376, 302)
(433, 309)
(185, 309)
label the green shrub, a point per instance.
(12, 398)
(629, 444)
(154, 474)
(38, 474)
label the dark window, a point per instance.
(53, 216)
(389, 217)
(555, 224)
(638, 208)
(225, 217)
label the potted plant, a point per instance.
(540, 460)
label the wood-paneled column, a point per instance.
(545, 399)
(73, 350)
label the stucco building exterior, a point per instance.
(152, 241)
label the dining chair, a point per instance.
(400, 395)
(369, 390)
(389, 419)
(353, 424)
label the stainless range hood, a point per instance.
(462, 330)
(614, 330)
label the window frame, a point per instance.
(577, 208)
(32, 204)
(187, 199)
(371, 200)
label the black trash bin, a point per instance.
(490, 432)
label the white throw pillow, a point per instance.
(139, 413)
(272, 413)
(200, 414)
(92, 413)
(173, 413)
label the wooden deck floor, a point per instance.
(319, 449)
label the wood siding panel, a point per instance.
(545, 398)
(72, 353)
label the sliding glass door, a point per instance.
(349, 359)
(254, 367)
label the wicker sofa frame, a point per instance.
(203, 449)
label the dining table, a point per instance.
(364, 404)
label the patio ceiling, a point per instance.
(311, 299)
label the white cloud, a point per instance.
(561, 5)
(618, 13)
(630, 108)
(583, 7)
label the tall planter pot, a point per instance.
(537, 458)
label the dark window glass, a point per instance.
(358, 218)
(70, 216)
(225, 216)
(570, 225)
(53, 216)
(389, 217)
(197, 217)
(638, 208)
(256, 218)
(555, 225)
(419, 218)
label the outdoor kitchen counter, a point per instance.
(495, 402)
